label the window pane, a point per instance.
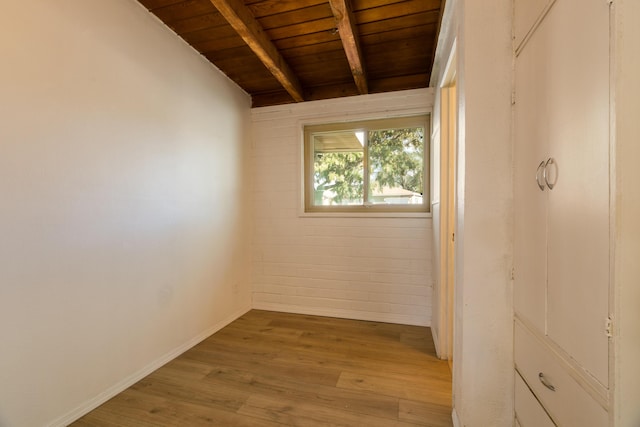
(374, 166)
(396, 166)
(338, 168)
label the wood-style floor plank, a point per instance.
(273, 385)
(400, 386)
(418, 412)
(292, 412)
(275, 369)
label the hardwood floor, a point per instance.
(274, 369)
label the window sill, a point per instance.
(364, 214)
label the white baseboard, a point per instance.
(125, 383)
(436, 341)
(456, 420)
(122, 385)
(343, 314)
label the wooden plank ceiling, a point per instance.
(283, 51)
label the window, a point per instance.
(368, 166)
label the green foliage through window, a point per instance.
(396, 159)
(339, 173)
(375, 163)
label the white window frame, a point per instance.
(310, 209)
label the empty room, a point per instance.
(319, 213)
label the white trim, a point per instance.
(122, 385)
(533, 28)
(351, 108)
(448, 218)
(365, 209)
(339, 117)
(436, 343)
(364, 214)
(344, 314)
(451, 68)
(455, 419)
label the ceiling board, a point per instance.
(296, 17)
(395, 42)
(199, 22)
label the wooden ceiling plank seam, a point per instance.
(211, 34)
(423, 31)
(350, 41)
(268, 8)
(264, 99)
(220, 47)
(370, 4)
(327, 24)
(307, 40)
(382, 13)
(312, 49)
(243, 53)
(183, 10)
(156, 4)
(241, 19)
(393, 24)
(297, 16)
(395, 46)
(201, 22)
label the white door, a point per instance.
(561, 252)
(575, 35)
(530, 198)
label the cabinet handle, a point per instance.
(540, 167)
(545, 382)
(550, 161)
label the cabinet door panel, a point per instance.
(526, 14)
(578, 206)
(530, 148)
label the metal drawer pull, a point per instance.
(540, 167)
(549, 161)
(545, 382)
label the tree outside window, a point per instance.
(367, 166)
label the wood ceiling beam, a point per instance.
(245, 24)
(350, 41)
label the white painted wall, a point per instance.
(627, 208)
(123, 214)
(483, 342)
(363, 268)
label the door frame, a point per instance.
(448, 219)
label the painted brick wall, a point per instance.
(369, 268)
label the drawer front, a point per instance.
(569, 404)
(529, 412)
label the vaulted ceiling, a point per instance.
(284, 51)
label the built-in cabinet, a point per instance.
(562, 255)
